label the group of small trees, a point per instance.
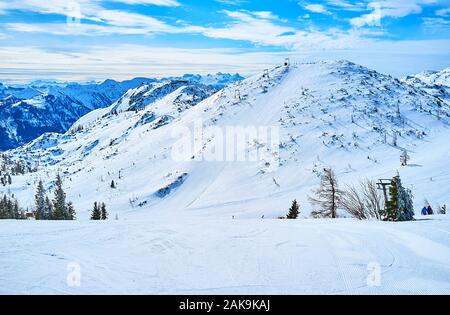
(362, 201)
(10, 209)
(56, 209)
(99, 211)
(45, 209)
(9, 168)
(5, 178)
(16, 166)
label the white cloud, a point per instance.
(436, 25)
(317, 8)
(116, 20)
(346, 5)
(389, 8)
(260, 28)
(247, 26)
(232, 2)
(126, 19)
(266, 15)
(443, 12)
(84, 29)
(125, 61)
(167, 3)
(250, 27)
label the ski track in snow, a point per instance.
(225, 256)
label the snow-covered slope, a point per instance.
(436, 83)
(328, 113)
(225, 256)
(434, 77)
(27, 111)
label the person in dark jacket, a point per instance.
(424, 211)
(430, 210)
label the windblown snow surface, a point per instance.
(196, 226)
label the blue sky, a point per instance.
(98, 39)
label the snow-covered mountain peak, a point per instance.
(27, 111)
(326, 112)
(140, 97)
(432, 77)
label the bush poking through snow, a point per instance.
(363, 202)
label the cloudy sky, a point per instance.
(120, 39)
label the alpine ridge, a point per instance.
(326, 112)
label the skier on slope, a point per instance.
(424, 210)
(430, 210)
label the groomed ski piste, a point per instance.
(194, 226)
(225, 256)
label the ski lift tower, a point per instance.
(384, 184)
(287, 62)
(237, 95)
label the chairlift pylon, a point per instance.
(237, 94)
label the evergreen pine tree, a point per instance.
(405, 202)
(48, 209)
(10, 209)
(39, 200)
(71, 215)
(293, 210)
(104, 213)
(327, 196)
(16, 210)
(96, 212)
(59, 201)
(391, 206)
(399, 207)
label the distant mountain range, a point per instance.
(30, 110)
